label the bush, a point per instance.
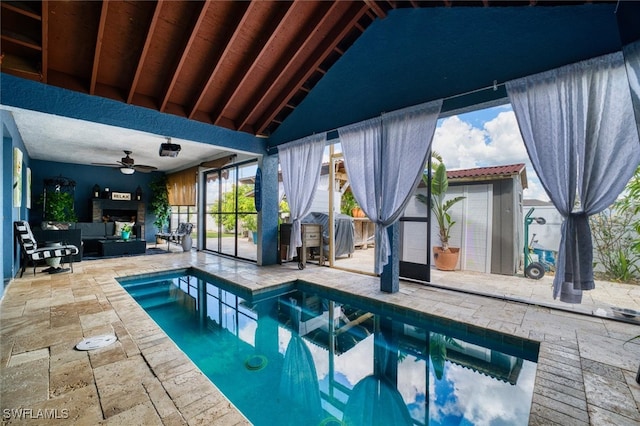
(614, 243)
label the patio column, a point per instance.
(268, 216)
(390, 277)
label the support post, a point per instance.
(268, 217)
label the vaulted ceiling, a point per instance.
(242, 65)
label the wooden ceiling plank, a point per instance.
(295, 59)
(183, 57)
(375, 7)
(225, 53)
(256, 60)
(334, 37)
(145, 50)
(96, 56)
(45, 41)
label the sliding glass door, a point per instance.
(230, 214)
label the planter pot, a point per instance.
(446, 260)
(357, 212)
(126, 235)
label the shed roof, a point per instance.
(489, 173)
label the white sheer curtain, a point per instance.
(384, 159)
(300, 162)
(578, 126)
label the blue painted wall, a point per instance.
(86, 177)
(418, 55)
(36, 96)
(9, 248)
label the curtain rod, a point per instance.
(494, 86)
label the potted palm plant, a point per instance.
(445, 257)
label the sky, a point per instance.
(488, 137)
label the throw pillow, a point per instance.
(119, 225)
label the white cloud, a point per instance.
(498, 142)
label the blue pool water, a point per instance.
(304, 356)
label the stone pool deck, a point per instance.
(586, 372)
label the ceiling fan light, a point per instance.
(127, 170)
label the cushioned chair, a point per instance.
(181, 236)
(31, 251)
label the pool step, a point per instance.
(157, 302)
(138, 285)
(151, 295)
(150, 291)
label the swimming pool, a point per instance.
(306, 355)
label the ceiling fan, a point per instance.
(127, 165)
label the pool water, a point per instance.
(302, 355)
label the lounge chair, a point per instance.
(31, 251)
(181, 236)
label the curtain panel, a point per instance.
(182, 187)
(300, 162)
(384, 158)
(632, 59)
(578, 126)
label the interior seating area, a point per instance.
(85, 235)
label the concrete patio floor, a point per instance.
(585, 375)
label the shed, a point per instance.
(488, 225)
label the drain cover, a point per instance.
(255, 362)
(96, 342)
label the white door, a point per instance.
(472, 230)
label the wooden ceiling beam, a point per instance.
(249, 6)
(145, 50)
(183, 56)
(254, 59)
(45, 41)
(332, 39)
(96, 56)
(375, 7)
(286, 67)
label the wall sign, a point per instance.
(121, 196)
(257, 190)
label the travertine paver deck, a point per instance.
(585, 375)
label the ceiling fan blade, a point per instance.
(107, 164)
(144, 169)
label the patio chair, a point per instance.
(181, 236)
(31, 252)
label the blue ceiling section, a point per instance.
(417, 55)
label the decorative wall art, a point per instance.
(17, 177)
(28, 187)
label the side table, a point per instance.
(54, 262)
